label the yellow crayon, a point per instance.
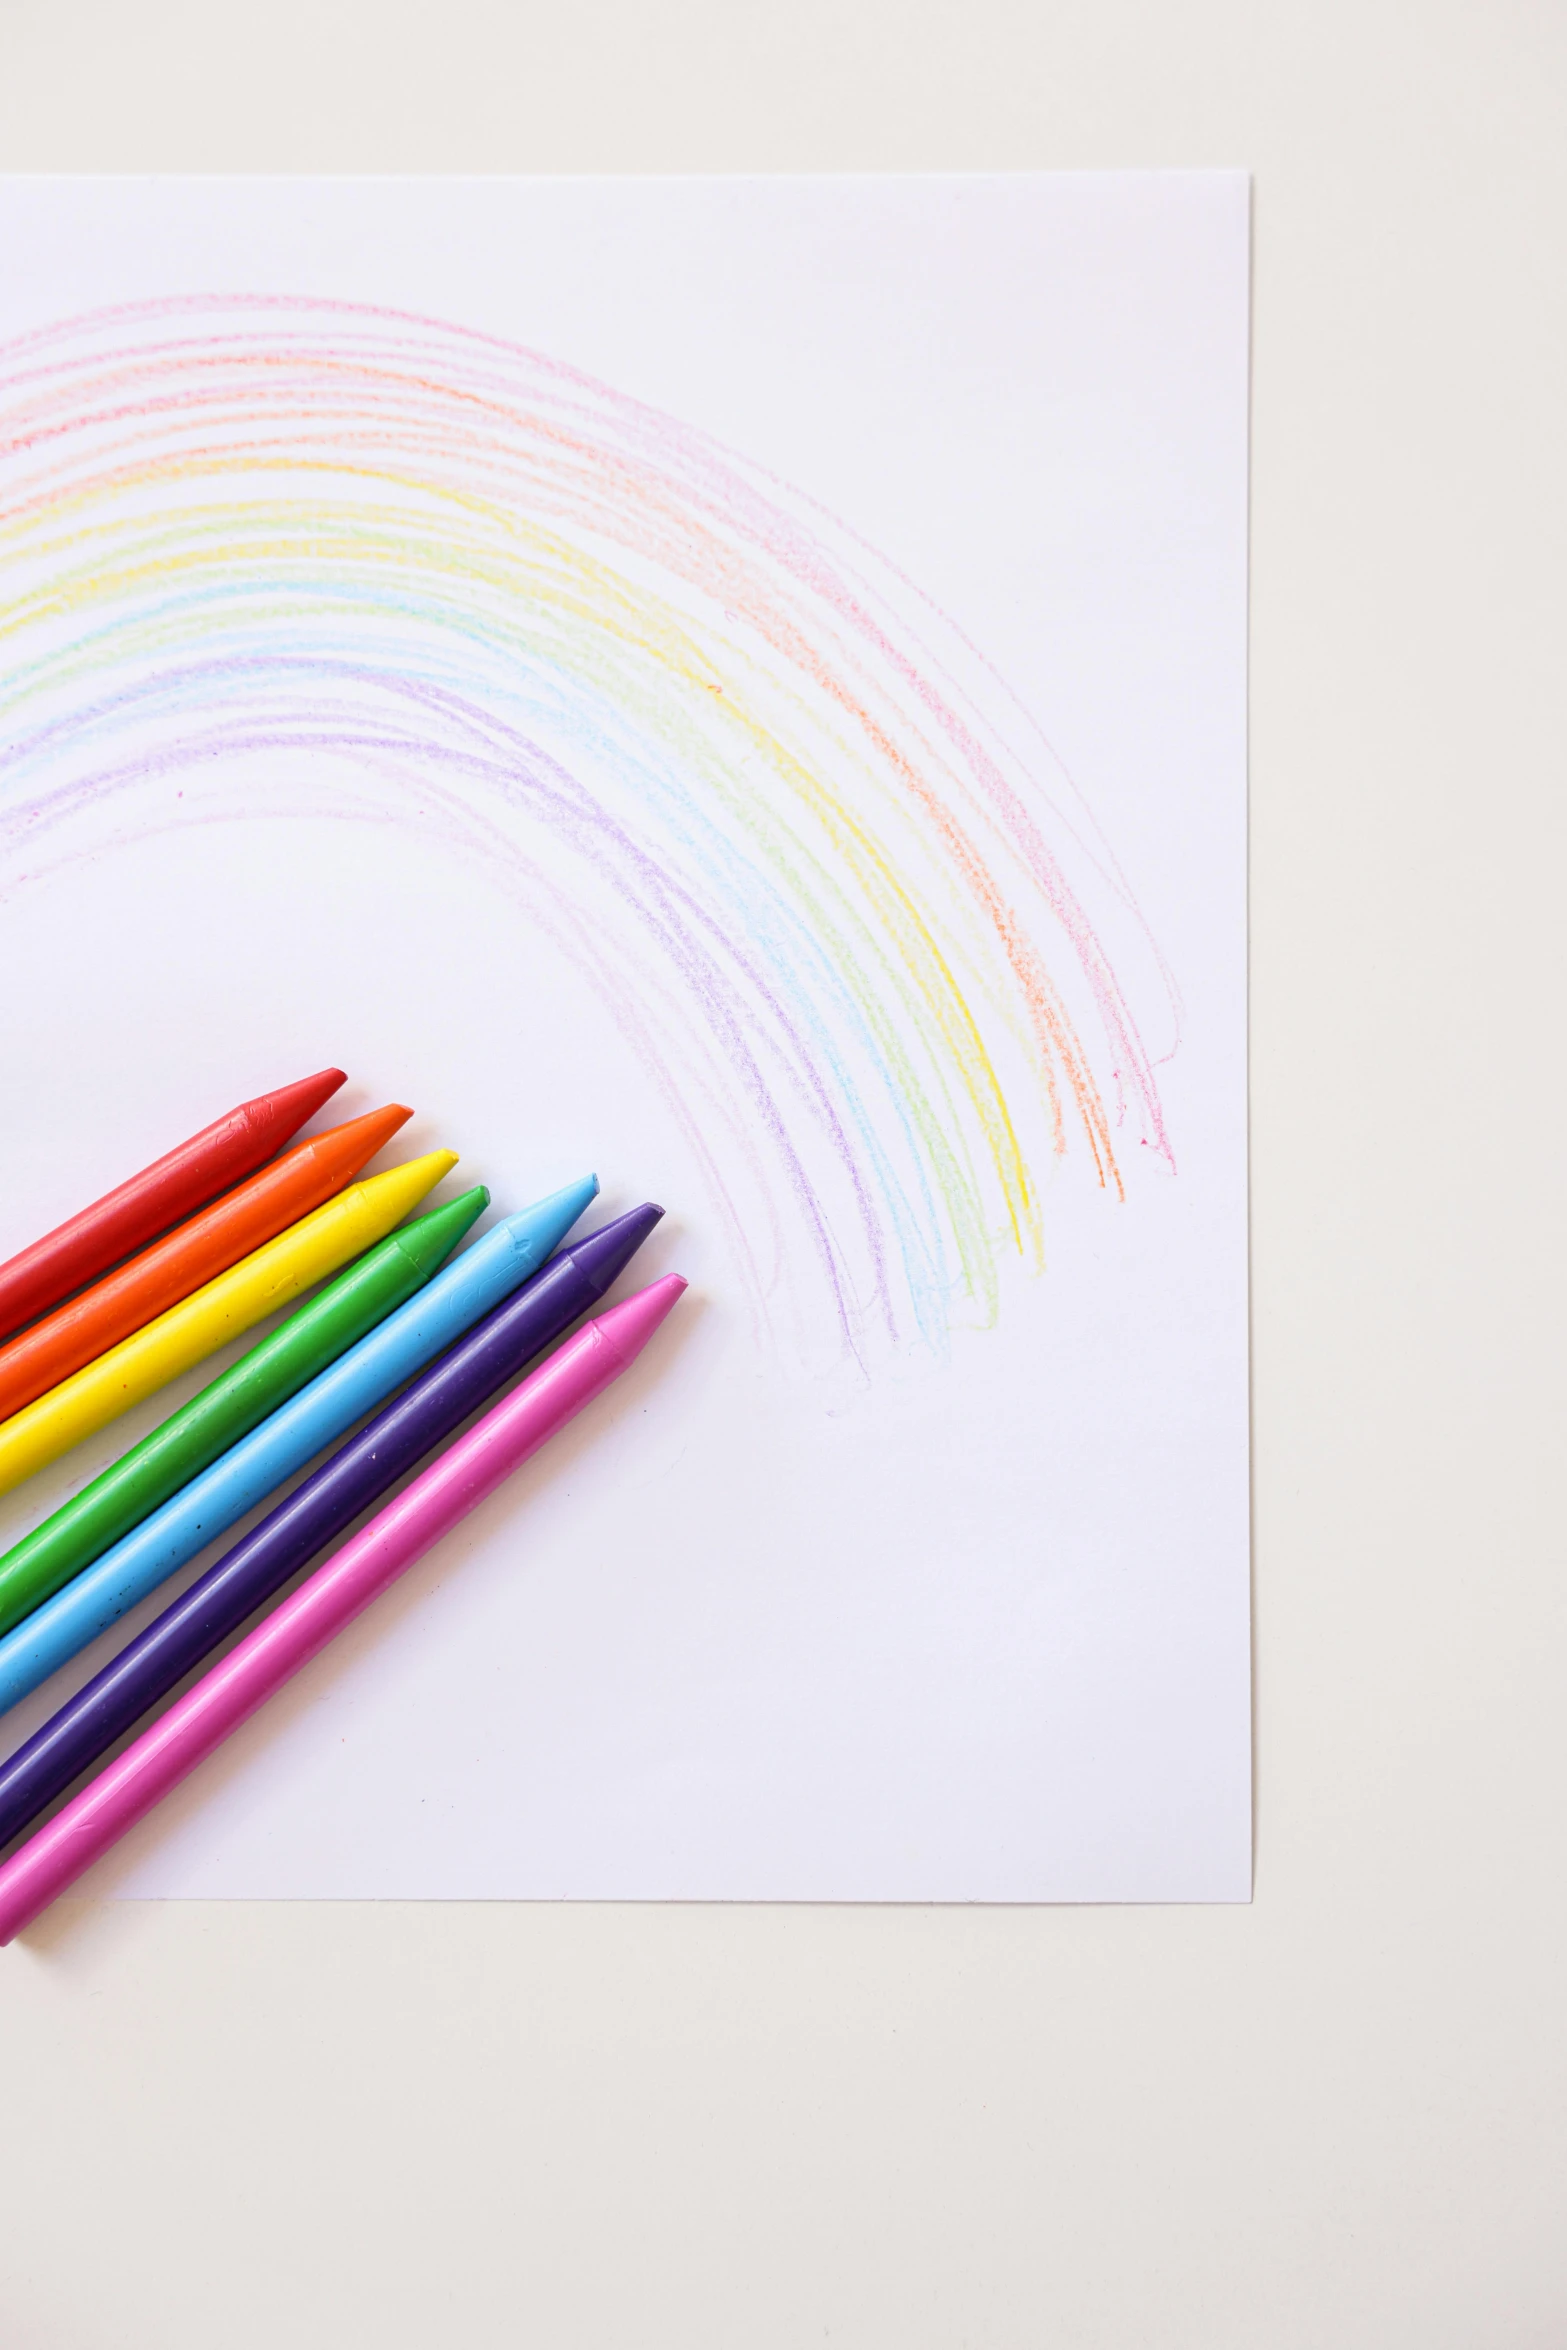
(273, 1276)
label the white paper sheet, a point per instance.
(739, 685)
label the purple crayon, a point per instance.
(219, 1601)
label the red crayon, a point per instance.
(194, 1253)
(183, 1180)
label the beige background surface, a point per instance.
(1336, 2118)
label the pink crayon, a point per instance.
(325, 1603)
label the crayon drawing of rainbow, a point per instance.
(783, 815)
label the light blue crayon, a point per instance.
(461, 1292)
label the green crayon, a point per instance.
(313, 1336)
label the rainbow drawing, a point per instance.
(796, 832)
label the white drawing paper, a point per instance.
(739, 685)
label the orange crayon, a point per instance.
(126, 1300)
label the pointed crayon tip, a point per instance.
(400, 1189)
(430, 1239)
(281, 1113)
(604, 1255)
(345, 1149)
(537, 1231)
(630, 1325)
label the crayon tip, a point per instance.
(537, 1231)
(282, 1113)
(430, 1239)
(442, 1160)
(630, 1325)
(604, 1255)
(345, 1149)
(401, 1189)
